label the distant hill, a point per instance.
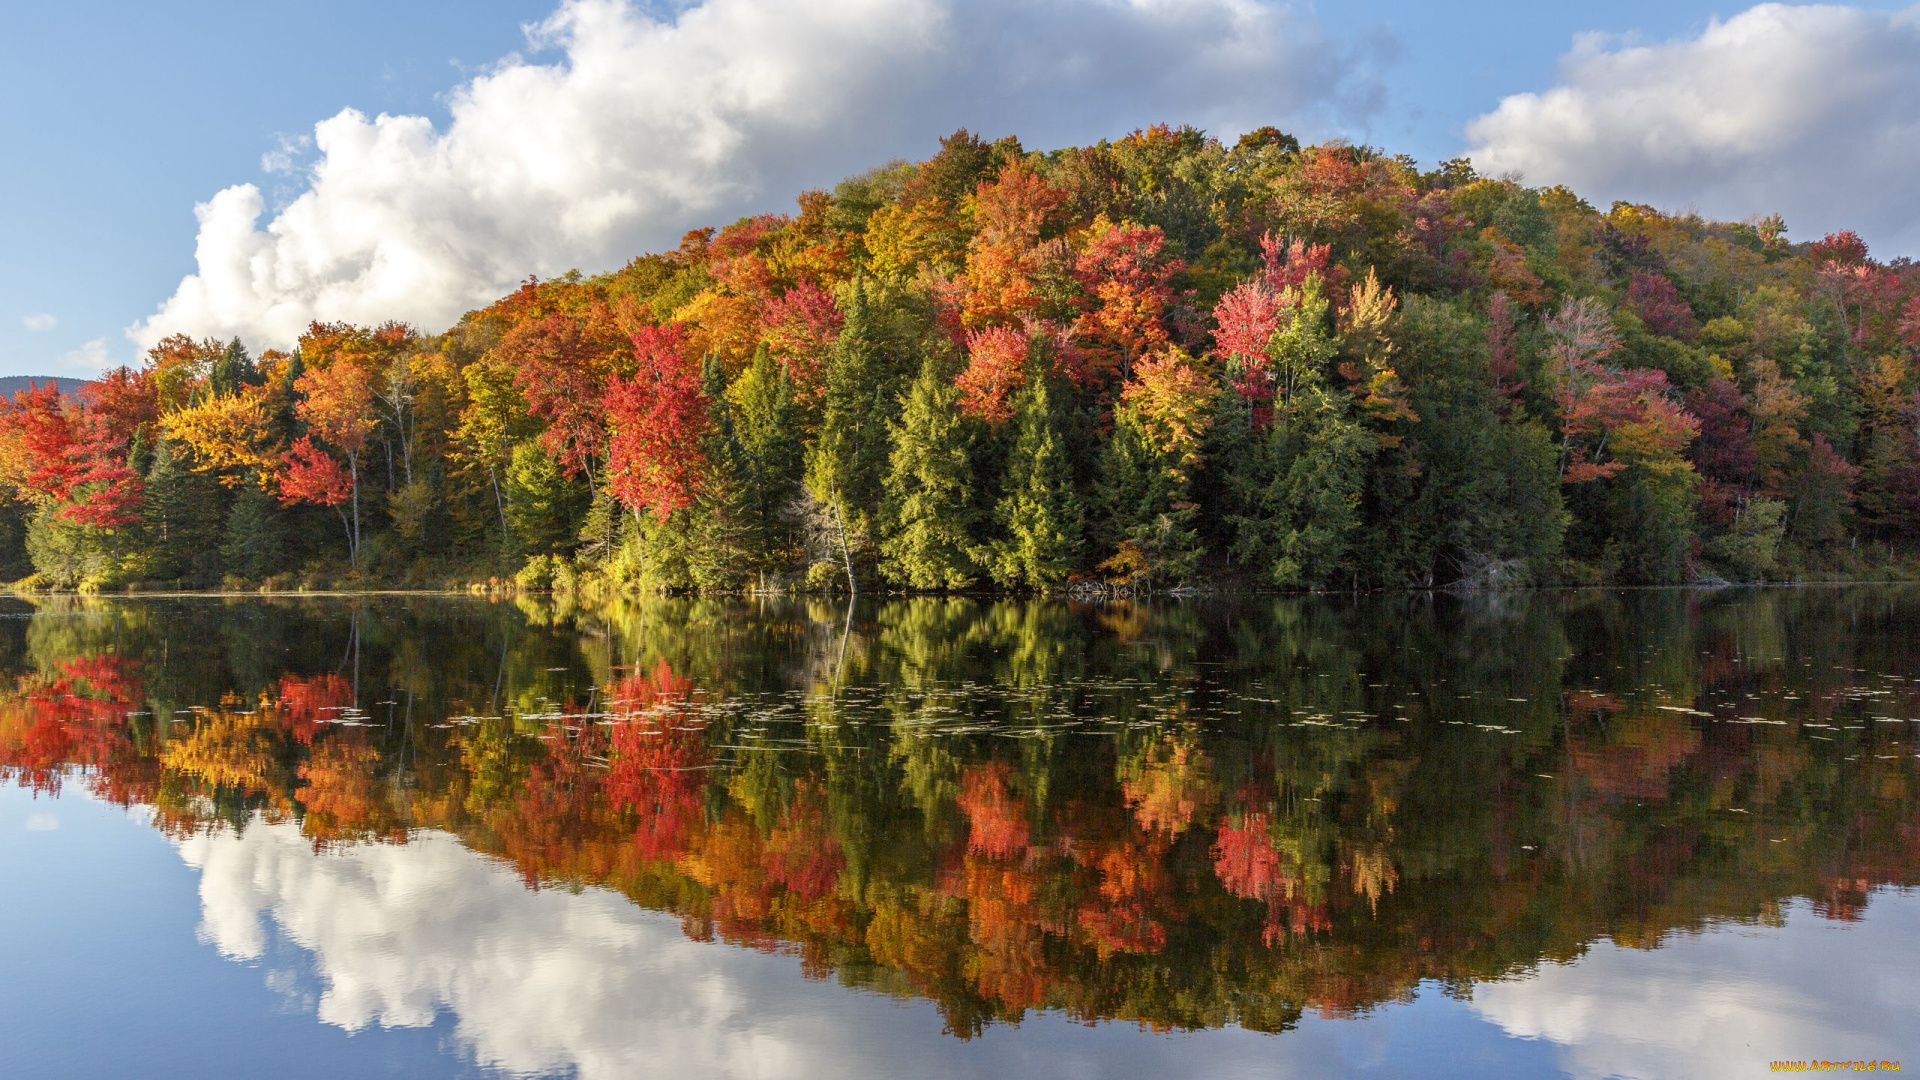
(13, 384)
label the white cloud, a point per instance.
(1812, 112)
(286, 153)
(583, 983)
(643, 127)
(1721, 1003)
(90, 358)
(39, 324)
(43, 823)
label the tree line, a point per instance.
(1157, 361)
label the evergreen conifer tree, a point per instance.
(847, 462)
(253, 545)
(1294, 498)
(1147, 519)
(232, 369)
(1038, 515)
(929, 489)
(183, 516)
(766, 427)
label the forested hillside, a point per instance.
(1158, 361)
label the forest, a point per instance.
(1155, 362)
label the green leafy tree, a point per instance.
(1467, 497)
(543, 504)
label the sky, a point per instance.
(242, 168)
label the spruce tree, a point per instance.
(1038, 515)
(769, 435)
(847, 461)
(232, 369)
(1147, 519)
(1293, 501)
(929, 489)
(253, 546)
(183, 516)
(724, 524)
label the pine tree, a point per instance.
(724, 523)
(929, 489)
(253, 544)
(766, 427)
(182, 516)
(1294, 499)
(232, 369)
(1038, 515)
(847, 462)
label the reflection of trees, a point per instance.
(1182, 816)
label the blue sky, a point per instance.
(121, 118)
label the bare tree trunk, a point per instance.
(499, 503)
(846, 551)
(353, 548)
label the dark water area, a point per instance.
(1598, 834)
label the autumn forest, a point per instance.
(1161, 361)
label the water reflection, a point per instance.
(1183, 817)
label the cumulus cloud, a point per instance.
(1810, 112)
(585, 984)
(39, 324)
(90, 358)
(286, 153)
(638, 127)
(1721, 1003)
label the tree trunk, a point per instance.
(846, 550)
(499, 503)
(353, 547)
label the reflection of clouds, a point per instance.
(537, 981)
(1715, 1004)
(42, 822)
(554, 981)
(551, 981)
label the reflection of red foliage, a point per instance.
(307, 699)
(998, 819)
(1244, 859)
(1250, 867)
(341, 794)
(802, 854)
(658, 770)
(77, 717)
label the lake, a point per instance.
(1590, 834)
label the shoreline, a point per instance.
(1183, 594)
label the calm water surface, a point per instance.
(1637, 834)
